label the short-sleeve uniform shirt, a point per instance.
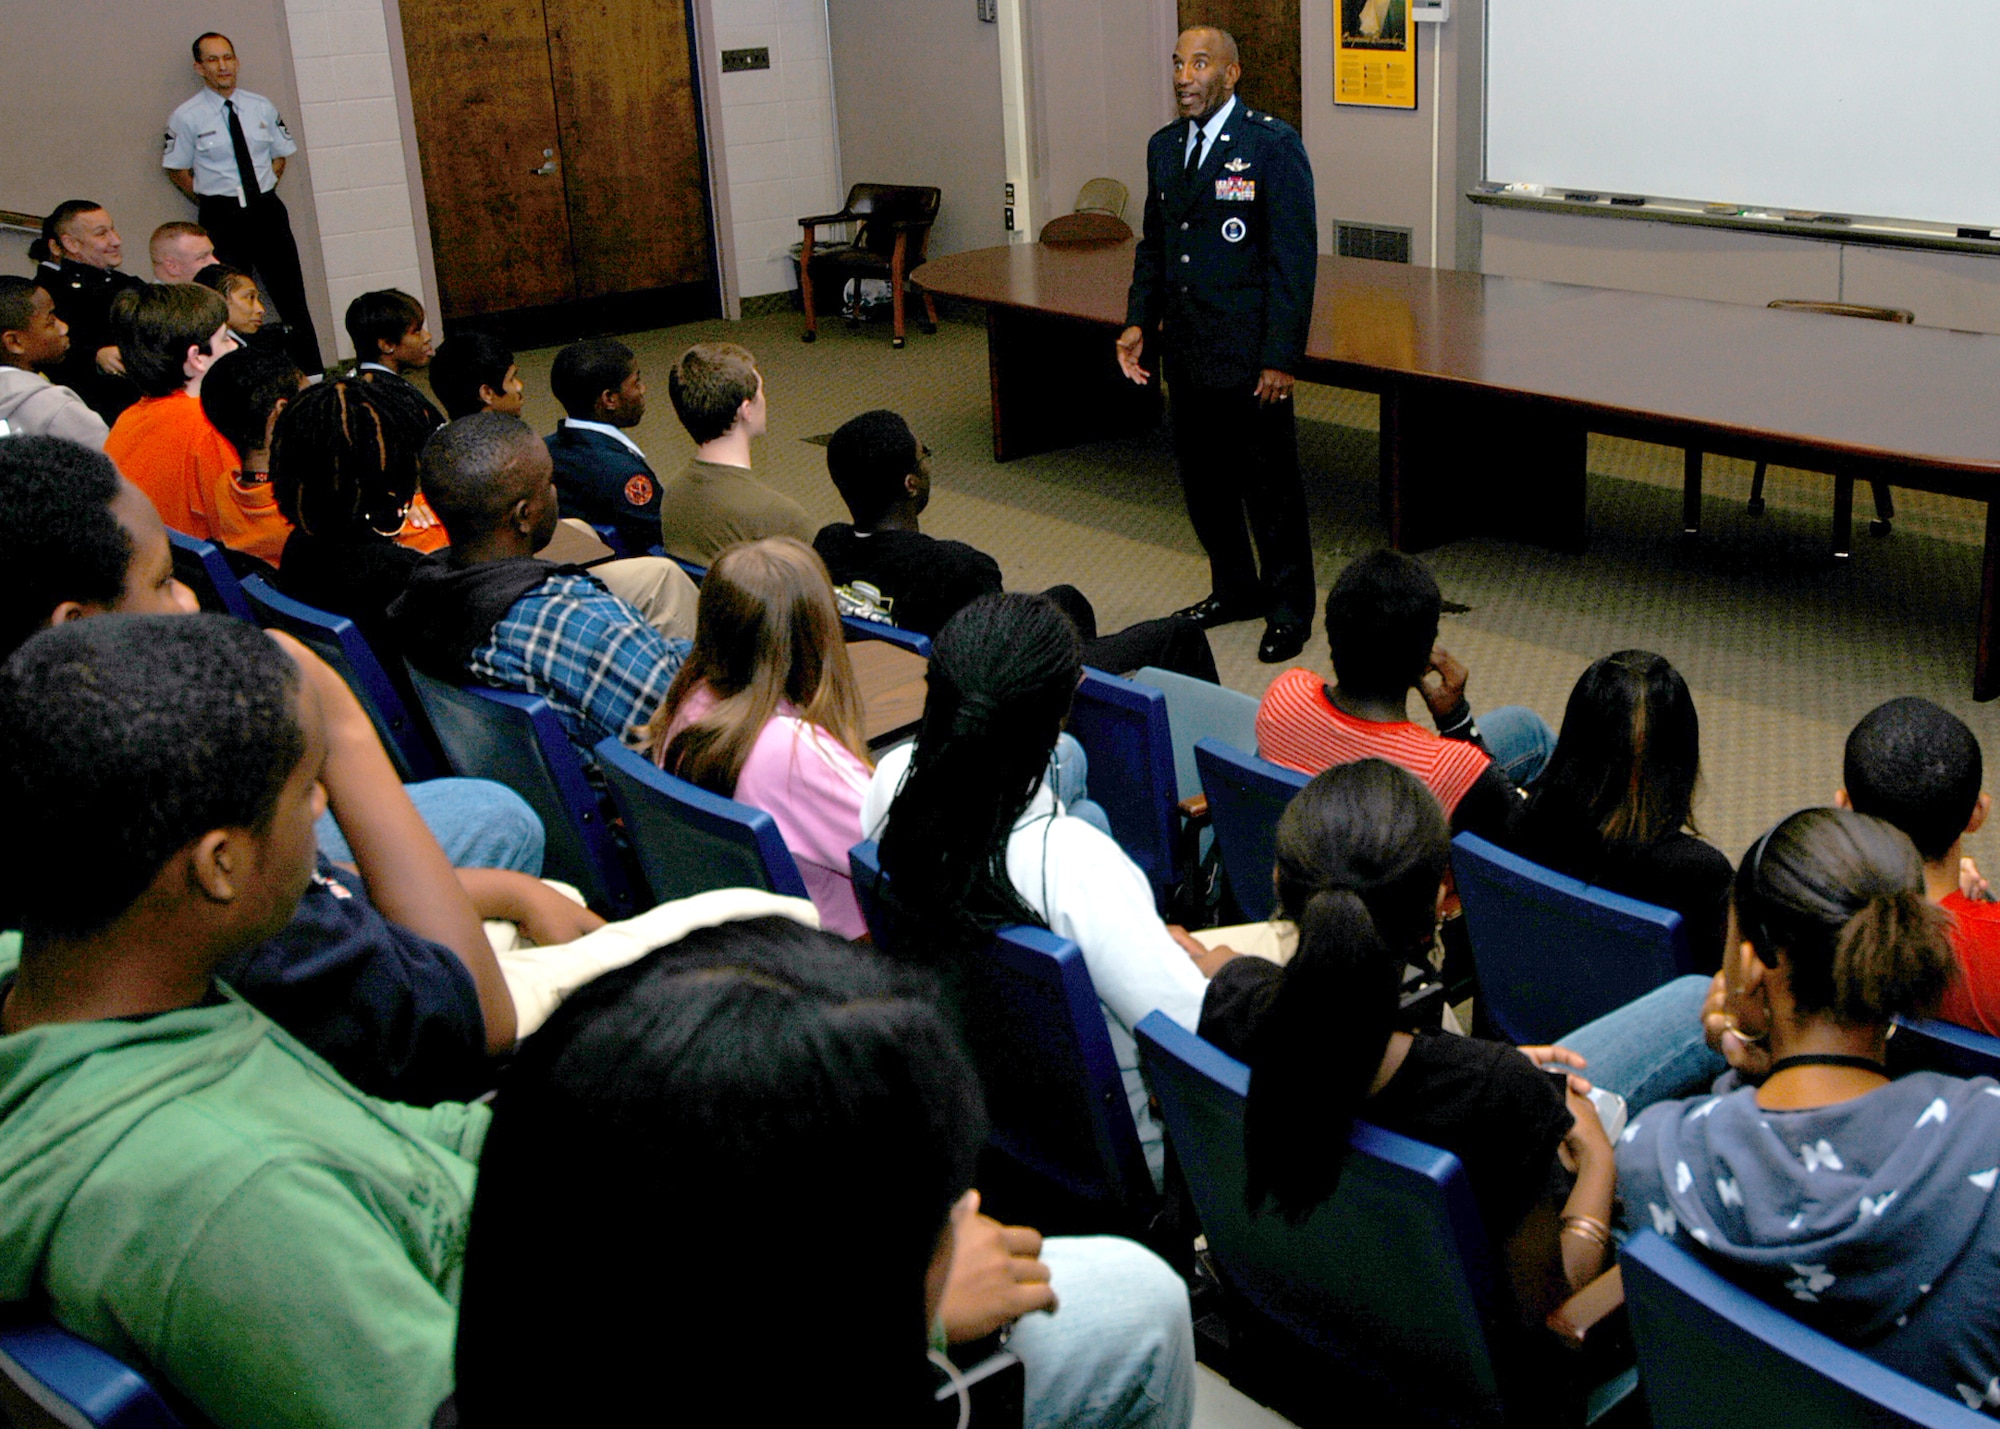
(198, 139)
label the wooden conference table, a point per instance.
(1489, 386)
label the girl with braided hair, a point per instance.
(974, 834)
(344, 470)
(1860, 1201)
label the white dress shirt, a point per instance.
(198, 139)
(605, 427)
(1203, 133)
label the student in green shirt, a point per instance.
(180, 1180)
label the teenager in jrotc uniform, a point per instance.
(1222, 284)
(226, 149)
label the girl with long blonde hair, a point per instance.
(766, 712)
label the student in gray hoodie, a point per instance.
(1863, 1205)
(33, 338)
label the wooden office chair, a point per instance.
(895, 228)
(1843, 498)
(1089, 229)
(1103, 196)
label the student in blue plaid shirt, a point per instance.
(486, 609)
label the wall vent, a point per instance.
(1371, 240)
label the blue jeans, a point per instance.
(1119, 1349)
(1652, 1049)
(1519, 740)
(478, 823)
(1072, 770)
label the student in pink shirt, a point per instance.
(766, 712)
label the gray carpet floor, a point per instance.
(1784, 650)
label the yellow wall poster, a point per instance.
(1375, 55)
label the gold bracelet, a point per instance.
(1588, 1228)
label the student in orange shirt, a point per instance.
(242, 396)
(170, 335)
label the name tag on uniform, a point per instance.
(1236, 189)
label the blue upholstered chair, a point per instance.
(406, 735)
(517, 740)
(202, 567)
(1938, 1046)
(1553, 952)
(687, 840)
(1036, 1030)
(77, 1384)
(1199, 710)
(1714, 1356)
(1122, 726)
(1246, 796)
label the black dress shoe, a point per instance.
(1282, 640)
(1216, 611)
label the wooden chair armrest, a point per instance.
(823, 218)
(1573, 1321)
(1194, 806)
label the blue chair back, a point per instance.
(201, 567)
(1123, 727)
(1938, 1046)
(864, 861)
(1036, 1030)
(1389, 1279)
(339, 641)
(76, 1382)
(858, 629)
(519, 741)
(687, 840)
(1552, 952)
(1197, 710)
(1714, 1356)
(1246, 796)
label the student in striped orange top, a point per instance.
(1382, 625)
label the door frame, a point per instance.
(708, 86)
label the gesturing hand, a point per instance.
(995, 1278)
(1131, 343)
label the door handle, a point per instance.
(548, 165)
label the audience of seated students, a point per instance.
(1615, 806)
(476, 372)
(718, 394)
(390, 342)
(1919, 766)
(170, 335)
(765, 711)
(33, 342)
(1860, 1204)
(246, 305)
(973, 838)
(601, 474)
(488, 611)
(179, 251)
(1382, 627)
(180, 1181)
(704, 1118)
(79, 254)
(883, 474)
(242, 396)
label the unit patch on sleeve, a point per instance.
(639, 490)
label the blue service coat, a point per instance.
(606, 483)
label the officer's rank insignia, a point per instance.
(1237, 189)
(1237, 166)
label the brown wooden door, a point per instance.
(631, 144)
(1267, 33)
(484, 112)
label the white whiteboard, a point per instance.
(1858, 107)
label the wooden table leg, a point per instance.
(1843, 516)
(1055, 383)
(1691, 495)
(1985, 679)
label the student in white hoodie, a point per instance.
(32, 338)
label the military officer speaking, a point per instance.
(226, 149)
(1221, 299)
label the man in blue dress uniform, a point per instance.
(1222, 291)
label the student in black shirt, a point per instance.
(1362, 853)
(1614, 805)
(883, 474)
